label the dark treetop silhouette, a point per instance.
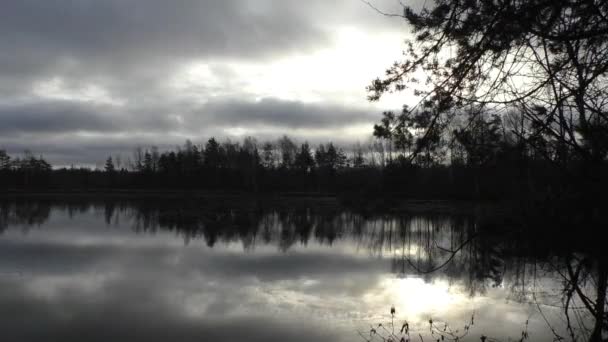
(496, 170)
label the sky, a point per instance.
(81, 80)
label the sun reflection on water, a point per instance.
(416, 299)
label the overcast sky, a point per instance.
(80, 80)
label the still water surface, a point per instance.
(130, 273)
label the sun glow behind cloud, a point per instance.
(337, 74)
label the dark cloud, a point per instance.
(84, 132)
(113, 33)
(102, 36)
(283, 114)
(55, 116)
(61, 116)
(131, 50)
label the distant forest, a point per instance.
(486, 159)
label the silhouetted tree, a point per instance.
(138, 159)
(288, 150)
(489, 168)
(268, 155)
(5, 161)
(148, 166)
(109, 166)
(155, 157)
(481, 139)
(329, 157)
(358, 158)
(385, 130)
(303, 159)
(547, 58)
(212, 154)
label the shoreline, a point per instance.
(388, 204)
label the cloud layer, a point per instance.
(100, 72)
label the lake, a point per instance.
(85, 270)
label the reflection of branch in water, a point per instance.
(447, 261)
(437, 331)
(416, 241)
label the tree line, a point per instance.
(482, 159)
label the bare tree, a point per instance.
(548, 59)
(288, 151)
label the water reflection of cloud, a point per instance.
(80, 279)
(132, 315)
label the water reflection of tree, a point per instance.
(481, 255)
(23, 213)
(519, 265)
